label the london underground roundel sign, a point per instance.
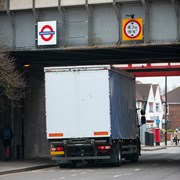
(132, 29)
(47, 33)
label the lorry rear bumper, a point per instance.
(80, 158)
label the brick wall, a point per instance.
(174, 115)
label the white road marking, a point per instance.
(117, 176)
(137, 169)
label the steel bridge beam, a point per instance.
(155, 73)
(175, 5)
(89, 10)
(149, 70)
(145, 4)
(116, 7)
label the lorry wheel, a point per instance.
(135, 157)
(63, 165)
(68, 165)
(72, 164)
(90, 162)
(118, 155)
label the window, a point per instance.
(157, 107)
(150, 106)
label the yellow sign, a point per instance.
(132, 29)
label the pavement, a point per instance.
(15, 166)
(159, 147)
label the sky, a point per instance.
(172, 81)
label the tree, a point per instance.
(12, 83)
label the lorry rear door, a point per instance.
(77, 104)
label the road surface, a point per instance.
(153, 165)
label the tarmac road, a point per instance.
(162, 164)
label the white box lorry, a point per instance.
(91, 114)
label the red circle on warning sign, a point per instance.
(50, 36)
(132, 29)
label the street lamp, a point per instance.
(166, 111)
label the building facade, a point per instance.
(148, 98)
(173, 102)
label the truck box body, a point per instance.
(89, 102)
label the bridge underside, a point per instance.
(108, 55)
(100, 55)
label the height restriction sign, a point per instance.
(132, 29)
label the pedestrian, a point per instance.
(176, 136)
(7, 135)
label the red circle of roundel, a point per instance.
(50, 37)
(138, 32)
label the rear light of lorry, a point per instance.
(57, 149)
(104, 147)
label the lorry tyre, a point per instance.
(135, 157)
(72, 164)
(68, 165)
(90, 162)
(117, 155)
(63, 165)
